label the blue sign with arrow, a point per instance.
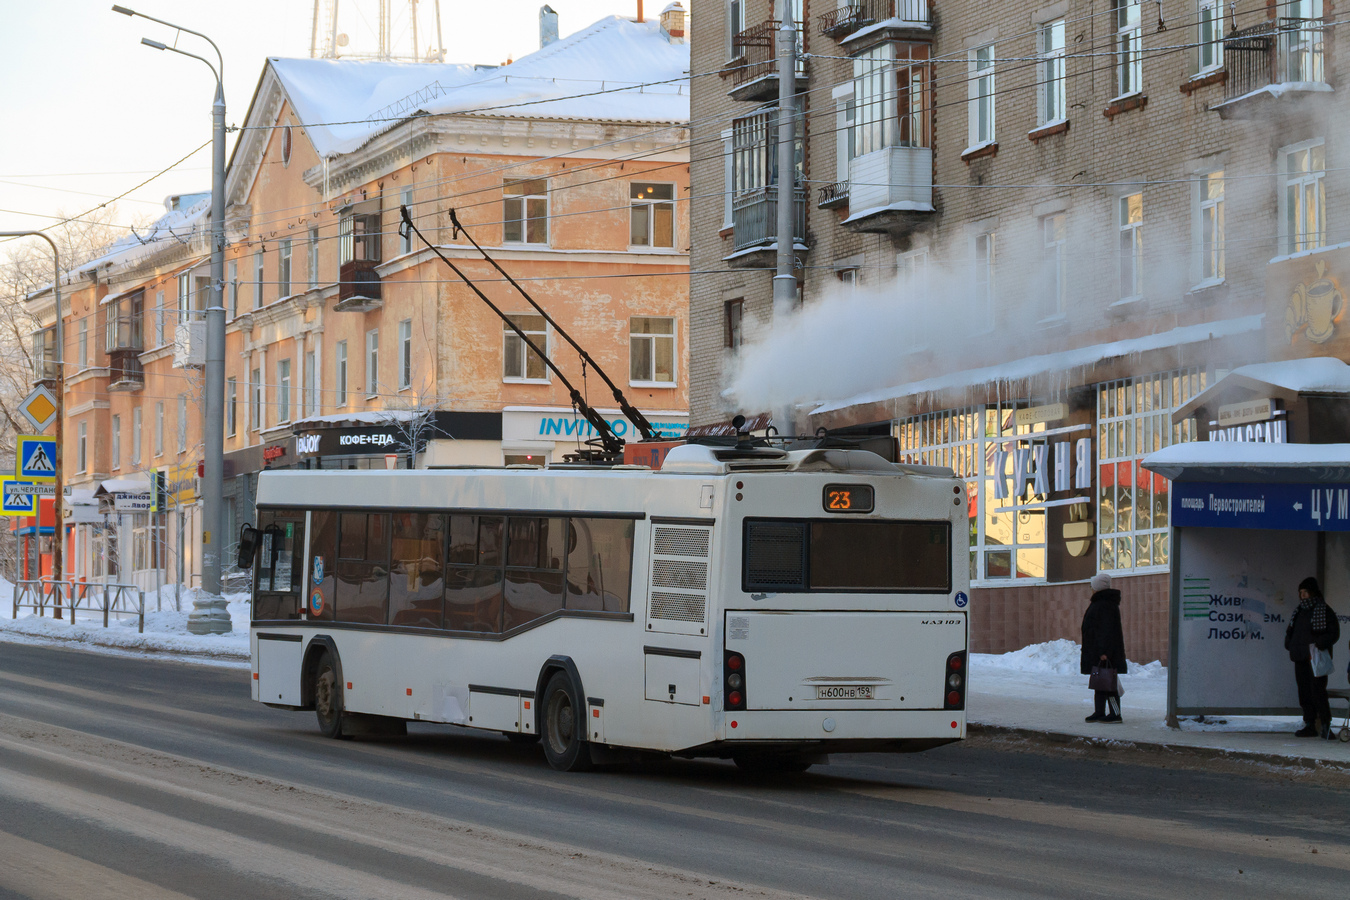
(1286, 507)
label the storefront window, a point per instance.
(1134, 418)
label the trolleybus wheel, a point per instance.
(564, 745)
(328, 698)
(772, 764)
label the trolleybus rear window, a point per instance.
(794, 555)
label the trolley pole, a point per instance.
(785, 279)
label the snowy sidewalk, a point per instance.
(1039, 689)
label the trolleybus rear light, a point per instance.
(734, 699)
(955, 681)
(954, 698)
(734, 680)
(954, 662)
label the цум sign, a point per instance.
(1287, 507)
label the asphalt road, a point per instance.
(125, 777)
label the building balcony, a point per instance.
(754, 218)
(754, 71)
(189, 344)
(890, 190)
(124, 334)
(125, 372)
(358, 286)
(1270, 60)
(855, 16)
(833, 196)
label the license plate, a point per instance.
(844, 692)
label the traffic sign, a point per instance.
(39, 407)
(15, 503)
(36, 459)
(36, 488)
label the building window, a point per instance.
(754, 151)
(83, 353)
(136, 436)
(283, 390)
(84, 446)
(184, 297)
(310, 404)
(1131, 224)
(651, 350)
(255, 403)
(147, 536)
(1055, 232)
(182, 423)
(340, 373)
(1301, 45)
(372, 362)
(985, 260)
(359, 235)
(1211, 35)
(231, 413)
(313, 258)
(1304, 198)
(734, 310)
(1129, 48)
(405, 354)
(735, 25)
(284, 269)
(258, 280)
(1211, 227)
(234, 288)
(912, 270)
(1052, 108)
(890, 98)
(651, 215)
(981, 444)
(117, 442)
(525, 213)
(982, 96)
(405, 198)
(159, 428)
(1134, 419)
(728, 178)
(519, 361)
(159, 318)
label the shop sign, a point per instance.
(1248, 411)
(1287, 507)
(137, 501)
(1251, 421)
(306, 444)
(1072, 468)
(565, 427)
(368, 440)
(1314, 308)
(1051, 412)
(273, 453)
(180, 483)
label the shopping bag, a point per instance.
(1321, 661)
(1103, 678)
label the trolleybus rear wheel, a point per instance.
(564, 744)
(328, 698)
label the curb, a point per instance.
(93, 644)
(1174, 751)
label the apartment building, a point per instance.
(1062, 220)
(350, 342)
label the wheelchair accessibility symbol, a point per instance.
(961, 599)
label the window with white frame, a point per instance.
(182, 423)
(136, 436)
(147, 537)
(845, 134)
(160, 313)
(525, 212)
(1134, 419)
(985, 247)
(754, 151)
(1051, 106)
(651, 214)
(982, 92)
(733, 311)
(735, 25)
(83, 447)
(405, 354)
(728, 178)
(1304, 198)
(340, 374)
(284, 268)
(83, 358)
(309, 405)
(1054, 235)
(1210, 43)
(651, 350)
(256, 397)
(313, 259)
(1210, 219)
(372, 362)
(1130, 222)
(159, 428)
(405, 198)
(519, 361)
(1129, 48)
(117, 442)
(234, 288)
(258, 280)
(184, 296)
(231, 406)
(283, 390)
(1301, 41)
(891, 105)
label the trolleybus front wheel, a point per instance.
(328, 698)
(564, 745)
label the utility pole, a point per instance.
(785, 279)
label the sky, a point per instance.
(91, 113)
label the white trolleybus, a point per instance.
(757, 604)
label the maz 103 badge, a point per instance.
(316, 603)
(849, 498)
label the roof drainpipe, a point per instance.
(548, 26)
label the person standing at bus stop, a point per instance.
(1314, 624)
(1103, 646)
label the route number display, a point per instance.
(849, 498)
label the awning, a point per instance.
(122, 486)
(1321, 376)
(1240, 461)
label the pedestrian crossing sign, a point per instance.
(13, 503)
(36, 459)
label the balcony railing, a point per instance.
(1280, 52)
(125, 372)
(860, 14)
(358, 286)
(833, 196)
(756, 49)
(754, 217)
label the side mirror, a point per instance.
(248, 546)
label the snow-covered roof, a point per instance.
(344, 103)
(1251, 461)
(122, 486)
(1323, 375)
(174, 227)
(375, 417)
(1032, 366)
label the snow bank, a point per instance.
(1059, 657)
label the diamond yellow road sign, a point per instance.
(39, 407)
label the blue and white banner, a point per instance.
(1290, 507)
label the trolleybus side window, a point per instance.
(416, 578)
(323, 550)
(279, 567)
(832, 555)
(473, 574)
(362, 590)
(534, 568)
(599, 564)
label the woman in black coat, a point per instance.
(1103, 645)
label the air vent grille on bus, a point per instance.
(775, 554)
(679, 578)
(677, 607)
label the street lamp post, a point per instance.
(58, 525)
(209, 614)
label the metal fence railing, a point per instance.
(43, 594)
(1274, 52)
(754, 217)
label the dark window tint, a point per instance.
(279, 564)
(416, 574)
(534, 573)
(886, 556)
(473, 574)
(775, 555)
(323, 549)
(363, 568)
(599, 564)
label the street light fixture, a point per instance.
(210, 615)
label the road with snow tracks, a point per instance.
(137, 778)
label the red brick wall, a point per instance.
(1009, 618)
